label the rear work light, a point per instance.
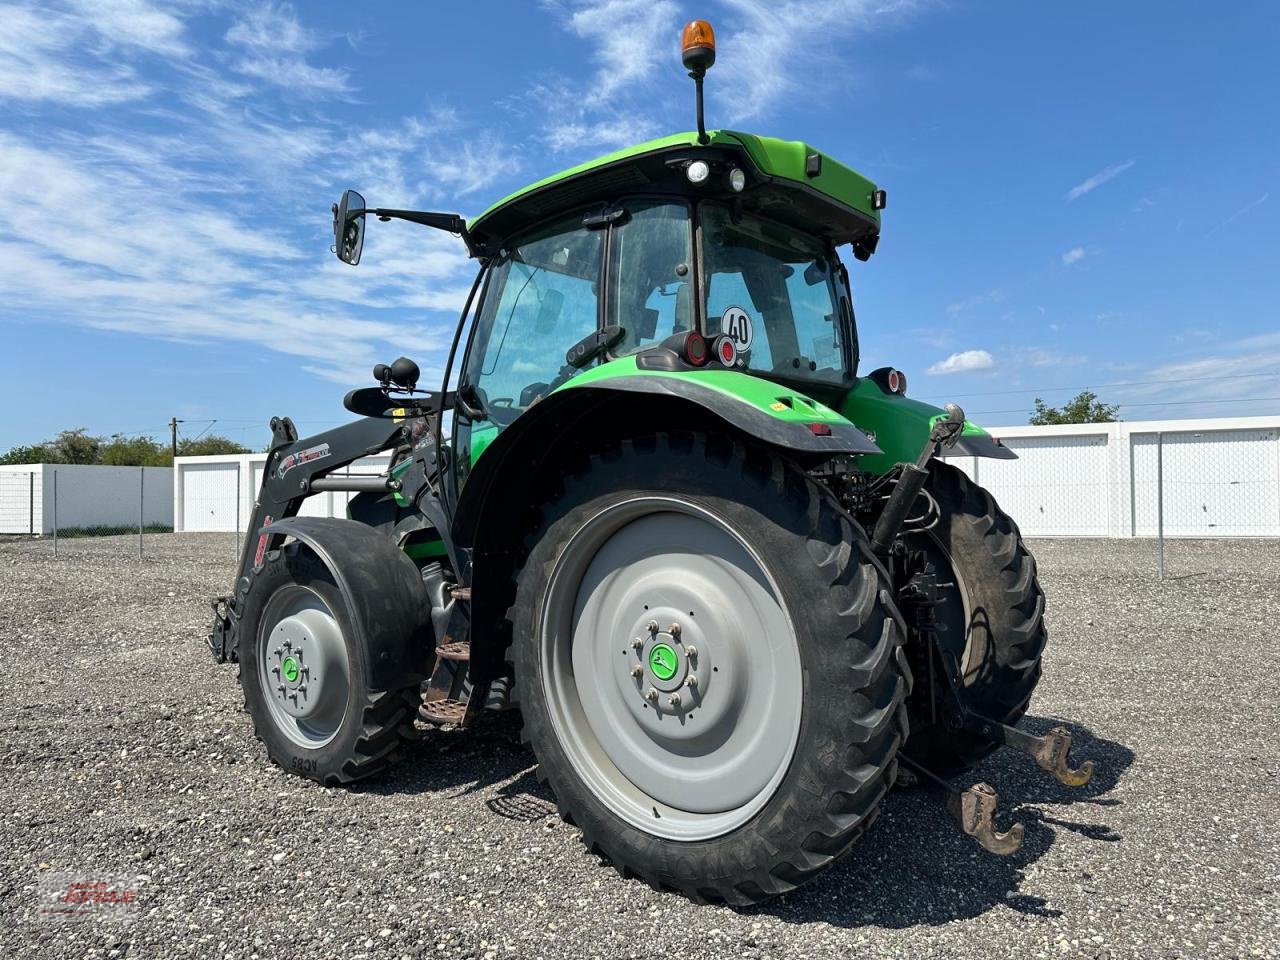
(695, 349)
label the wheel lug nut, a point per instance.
(653, 626)
(651, 695)
(637, 671)
(637, 644)
(690, 650)
(691, 681)
(674, 630)
(674, 700)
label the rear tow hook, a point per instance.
(1052, 752)
(974, 809)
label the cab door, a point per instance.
(542, 297)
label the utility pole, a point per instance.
(173, 434)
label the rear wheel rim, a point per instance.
(303, 667)
(671, 668)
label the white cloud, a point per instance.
(763, 42)
(1073, 255)
(1090, 184)
(43, 58)
(275, 46)
(965, 361)
(627, 38)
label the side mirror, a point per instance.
(348, 227)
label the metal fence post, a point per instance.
(142, 495)
(1160, 503)
(1133, 492)
(55, 513)
(237, 553)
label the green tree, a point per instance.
(76, 446)
(209, 446)
(35, 453)
(1085, 407)
(121, 451)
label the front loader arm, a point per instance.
(295, 469)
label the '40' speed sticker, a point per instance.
(736, 325)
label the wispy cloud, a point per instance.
(1239, 213)
(966, 361)
(629, 39)
(275, 47)
(977, 300)
(1074, 255)
(763, 40)
(1090, 184)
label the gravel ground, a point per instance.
(124, 753)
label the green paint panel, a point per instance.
(899, 425)
(779, 402)
(424, 550)
(775, 157)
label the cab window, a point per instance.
(541, 300)
(773, 291)
(650, 274)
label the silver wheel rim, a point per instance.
(670, 668)
(303, 666)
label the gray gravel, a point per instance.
(124, 753)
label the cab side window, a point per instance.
(651, 274)
(542, 299)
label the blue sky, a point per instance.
(1079, 195)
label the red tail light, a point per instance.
(820, 429)
(695, 349)
(897, 382)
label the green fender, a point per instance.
(900, 426)
(770, 412)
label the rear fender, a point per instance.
(384, 591)
(901, 425)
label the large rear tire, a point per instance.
(304, 684)
(750, 778)
(994, 615)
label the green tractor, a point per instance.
(730, 582)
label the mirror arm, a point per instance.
(449, 222)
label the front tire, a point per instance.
(304, 684)
(751, 779)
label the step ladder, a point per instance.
(447, 699)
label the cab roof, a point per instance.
(788, 180)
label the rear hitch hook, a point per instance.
(1053, 754)
(974, 809)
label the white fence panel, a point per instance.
(1058, 486)
(1217, 483)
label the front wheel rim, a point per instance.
(303, 667)
(671, 668)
